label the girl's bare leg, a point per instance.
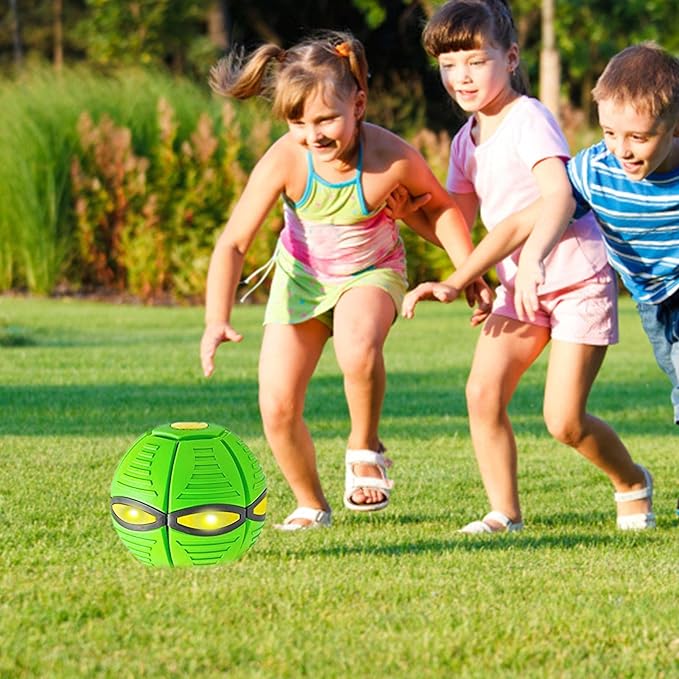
(505, 349)
(288, 358)
(362, 319)
(571, 373)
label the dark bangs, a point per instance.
(458, 26)
(470, 35)
(455, 28)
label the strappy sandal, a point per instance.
(482, 526)
(318, 518)
(352, 482)
(638, 521)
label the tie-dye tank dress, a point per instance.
(329, 244)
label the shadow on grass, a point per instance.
(387, 521)
(417, 402)
(525, 541)
(15, 337)
(469, 543)
(562, 531)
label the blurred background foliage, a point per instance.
(119, 168)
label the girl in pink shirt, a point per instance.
(509, 153)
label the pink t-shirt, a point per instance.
(499, 171)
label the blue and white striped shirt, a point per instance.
(639, 221)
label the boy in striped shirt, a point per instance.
(630, 180)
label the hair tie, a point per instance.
(343, 49)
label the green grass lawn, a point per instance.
(397, 594)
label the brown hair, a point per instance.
(333, 62)
(468, 25)
(645, 76)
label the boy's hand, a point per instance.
(213, 336)
(400, 204)
(482, 295)
(436, 291)
(530, 275)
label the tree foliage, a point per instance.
(142, 32)
(130, 211)
(188, 35)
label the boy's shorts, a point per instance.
(585, 313)
(661, 324)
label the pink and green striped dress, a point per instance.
(330, 243)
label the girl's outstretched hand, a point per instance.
(436, 291)
(213, 336)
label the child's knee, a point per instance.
(482, 397)
(564, 428)
(278, 410)
(360, 360)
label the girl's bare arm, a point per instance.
(226, 263)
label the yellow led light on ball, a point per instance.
(260, 509)
(211, 520)
(132, 515)
(189, 425)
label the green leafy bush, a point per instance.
(120, 181)
(123, 182)
(148, 225)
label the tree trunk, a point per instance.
(218, 24)
(16, 35)
(58, 22)
(550, 67)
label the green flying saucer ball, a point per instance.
(188, 494)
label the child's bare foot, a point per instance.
(367, 496)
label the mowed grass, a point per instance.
(397, 594)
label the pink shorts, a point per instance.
(586, 313)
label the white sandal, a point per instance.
(638, 521)
(352, 483)
(482, 526)
(318, 518)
